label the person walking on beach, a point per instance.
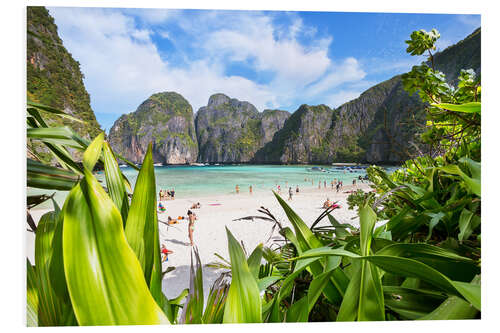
(290, 194)
(279, 189)
(297, 189)
(172, 194)
(250, 189)
(319, 185)
(324, 183)
(191, 218)
(354, 182)
(338, 186)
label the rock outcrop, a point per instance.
(382, 125)
(165, 119)
(229, 130)
(54, 78)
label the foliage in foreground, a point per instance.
(415, 256)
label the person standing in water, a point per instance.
(237, 189)
(191, 218)
(250, 189)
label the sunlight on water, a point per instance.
(204, 181)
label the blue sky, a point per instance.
(273, 59)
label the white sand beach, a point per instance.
(217, 213)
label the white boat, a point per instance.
(158, 164)
(197, 164)
(122, 165)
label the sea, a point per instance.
(205, 181)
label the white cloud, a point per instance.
(123, 66)
(253, 39)
(121, 70)
(348, 71)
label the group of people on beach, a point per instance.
(167, 194)
(191, 218)
(237, 189)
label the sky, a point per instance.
(272, 59)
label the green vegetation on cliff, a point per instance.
(53, 76)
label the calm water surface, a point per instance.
(204, 181)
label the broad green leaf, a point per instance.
(171, 306)
(103, 274)
(298, 312)
(412, 303)
(192, 313)
(254, 261)
(471, 107)
(452, 308)
(31, 296)
(115, 182)
(413, 268)
(243, 303)
(367, 285)
(53, 310)
(93, 152)
(473, 184)
(306, 240)
(48, 177)
(467, 222)
(141, 228)
(52, 110)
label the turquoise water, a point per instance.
(204, 181)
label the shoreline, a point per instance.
(217, 213)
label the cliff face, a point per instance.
(54, 77)
(229, 130)
(394, 132)
(382, 125)
(166, 120)
(306, 130)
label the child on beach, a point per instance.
(165, 253)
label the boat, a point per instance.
(158, 164)
(196, 164)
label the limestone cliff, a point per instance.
(229, 130)
(54, 78)
(165, 119)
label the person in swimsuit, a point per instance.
(165, 253)
(191, 218)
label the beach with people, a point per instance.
(214, 213)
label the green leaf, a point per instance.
(467, 222)
(48, 177)
(53, 310)
(298, 312)
(192, 313)
(115, 181)
(214, 310)
(254, 261)
(452, 308)
(412, 303)
(103, 274)
(141, 228)
(52, 110)
(366, 283)
(243, 303)
(93, 152)
(471, 107)
(31, 295)
(307, 240)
